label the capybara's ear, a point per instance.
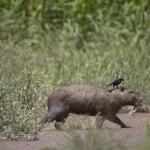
(122, 88)
(131, 91)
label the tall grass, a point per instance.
(109, 19)
(28, 76)
(146, 143)
(44, 44)
(95, 140)
(20, 90)
(92, 140)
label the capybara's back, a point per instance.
(79, 99)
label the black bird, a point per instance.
(116, 82)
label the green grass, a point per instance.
(96, 140)
(28, 75)
(93, 140)
(45, 44)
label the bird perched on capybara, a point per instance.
(90, 100)
(115, 82)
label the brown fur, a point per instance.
(90, 100)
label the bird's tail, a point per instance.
(109, 84)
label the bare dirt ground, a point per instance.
(55, 138)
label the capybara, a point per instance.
(89, 100)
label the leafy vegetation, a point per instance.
(91, 140)
(44, 44)
(95, 140)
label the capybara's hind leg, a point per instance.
(61, 120)
(48, 118)
(59, 113)
(59, 124)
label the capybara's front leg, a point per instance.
(99, 120)
(115, 119)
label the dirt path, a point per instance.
(132, 136)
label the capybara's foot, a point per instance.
(125, 126)
(58, 125)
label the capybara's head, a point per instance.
(127, 97)
(135, 98)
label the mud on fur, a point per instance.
(89, 100)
